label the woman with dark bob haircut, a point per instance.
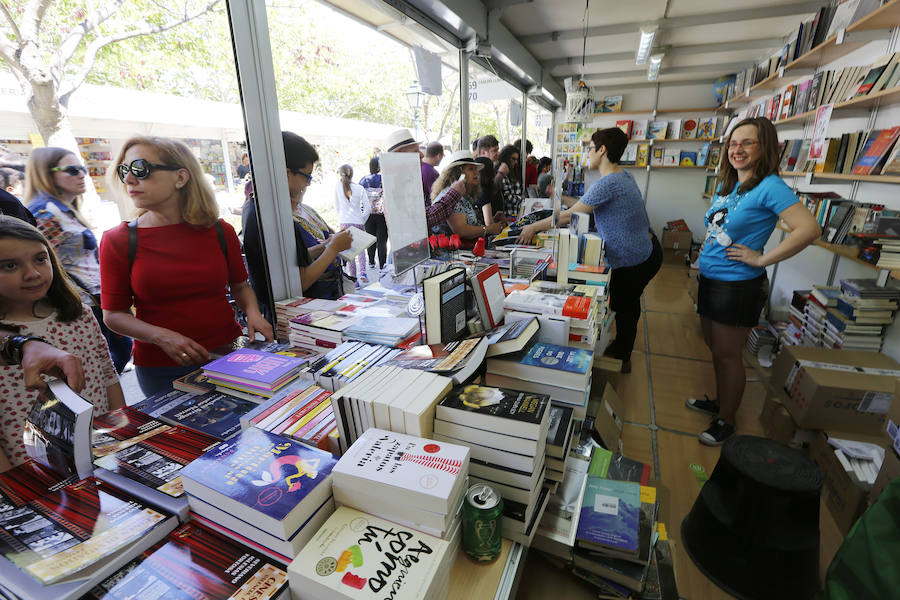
(750, 198)
(620, 217)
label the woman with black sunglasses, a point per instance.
(172, 264)
(54, 183)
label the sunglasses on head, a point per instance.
(141, 169)
(72, 170)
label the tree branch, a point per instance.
(12, 22)
(68, 47)
(90, 55)
(8, 52)
(34, 15)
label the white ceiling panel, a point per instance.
(561, 15)
(684, 8)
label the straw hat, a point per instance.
(398, 139)
(463, 157)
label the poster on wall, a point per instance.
(404, 209)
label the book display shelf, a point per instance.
(97, 156)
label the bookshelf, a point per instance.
(662, 167)
(845, 176)
(883, 98)
(97, 156)
(844, 251)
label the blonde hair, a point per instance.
(198, 201)
(446, 179)
(39, 177)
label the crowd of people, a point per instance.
(158, 290)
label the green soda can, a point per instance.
(482, 512)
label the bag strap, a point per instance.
(133, 233)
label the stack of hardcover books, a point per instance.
(562, 372)
(389, 398)
(196, 562)
(359, 556)
(319, 330)
(264, 490)
(252, 372)
(506, 431)
(60, 536)
(144, 456)
(303, 414)
(415, 482)
(287, 309)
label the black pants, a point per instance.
(377, 226)
(119, 345)
(625, 288)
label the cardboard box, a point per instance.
(826, 388)
(608, 419)
(890, 470)
(677, 239)
(844, 499)
(778, 425)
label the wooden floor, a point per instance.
(670, 364)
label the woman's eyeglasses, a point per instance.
(745, 144)
(141, 169)
(72, 170)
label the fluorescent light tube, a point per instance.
(646, 44)
(653, 69)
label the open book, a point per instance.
(361, 241)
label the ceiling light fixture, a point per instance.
(653, 69)
(648, 33)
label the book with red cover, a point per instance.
(625, 125)
(29, 481)
(877, 145)
(487, 286)
(196, 562)
(129, 443)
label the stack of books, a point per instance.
(264, 490)
(287, 309)
(61, 536)
(389, 398)
(412, 481)
(253, 374)
(347, 362)
(861, 460)
(359, 556)
(559, 525)
(458, 360)
(196, 562)
(144, 456)
(861, 315)
(303, 414)
(380, 330)
(559, 438)
(213, 413)
(506, 431)
(319, 330)
(561, 372)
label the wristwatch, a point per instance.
(483, 230)
(12, 345)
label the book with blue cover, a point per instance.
(268, 480)
(561, 366)
(254, 368)
(610, 517)
(213, 413)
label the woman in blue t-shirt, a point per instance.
(620, 217)
(733, 284)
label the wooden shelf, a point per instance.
(663, 167)
(883, 98)
(846, 177)
(707, 109)
(843, 250)
(704, 140)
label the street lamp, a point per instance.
(415, 97)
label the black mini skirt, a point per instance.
(735, 303)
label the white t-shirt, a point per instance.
(354, 210)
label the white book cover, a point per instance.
(395, 463)
(361, 240)
(639, 129)
(357, 556)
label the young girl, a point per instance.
(37, 299)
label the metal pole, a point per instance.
(256, 81)
(522, 151)
(464, 132)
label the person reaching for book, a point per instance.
(320, 271)
(733, 287)
(174, 264)
(620, 216)
(39, 303)
(460, 181)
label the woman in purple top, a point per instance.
(733, 286)
(632, 250)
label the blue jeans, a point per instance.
(154, 380)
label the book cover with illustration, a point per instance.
(65, 531)
(195, 562)
(687, 158)
(355, 555)
(576, 307)
(213, 413)
(558, 358)
(436, 357)
(511, 412)
(129, 443)
(256, 368)
(262, 478)
(427, 472)
(510, 337)
(29, 481)
(58, 431)
(610, 515)
(194, 382)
